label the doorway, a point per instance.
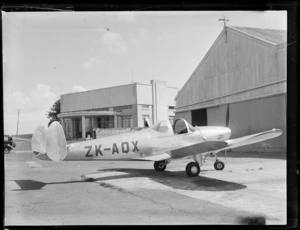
(199, 117)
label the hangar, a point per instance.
(240, 83)
(116, 109)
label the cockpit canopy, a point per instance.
(164, 127)
(181, 126)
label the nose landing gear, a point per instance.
(219, 165)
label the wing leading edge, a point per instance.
(254, 138)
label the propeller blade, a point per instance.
(227, 116)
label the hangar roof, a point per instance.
(270, 36)
(274, 37)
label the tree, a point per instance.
(54, 111)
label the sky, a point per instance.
(46, 54)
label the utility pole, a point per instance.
(18, 122)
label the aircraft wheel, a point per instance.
(6, 150)
(219, 165)
(160, 166)
(192, 169)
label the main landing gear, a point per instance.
(160, 166)
(192, 169)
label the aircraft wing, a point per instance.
(157, 157)
(203, 147)
(251, 139)
(181, 152)
(213, 146)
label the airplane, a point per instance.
(159, 143)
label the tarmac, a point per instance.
(248, 190)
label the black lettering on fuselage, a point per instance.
(125, 147)
(98, 151)
(87, 154)
(115, 149)
(135, 148)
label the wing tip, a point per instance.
(277, 131)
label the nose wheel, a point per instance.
(219, 165)
(192, 169)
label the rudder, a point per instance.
(56, 144)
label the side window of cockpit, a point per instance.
(180, 127)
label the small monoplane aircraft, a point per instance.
(159, 143)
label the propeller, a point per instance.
(227, 122)
(227, 116)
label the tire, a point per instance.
(219, 165)
(160, 166)
(6, 151)
(192, 169)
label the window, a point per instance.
(172, 107)
(105, 122)
(127, 121)
(146, 117)
(120, 108)
(145, 106)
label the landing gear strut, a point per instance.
(160, 166)
(219, 165)
(192, 169)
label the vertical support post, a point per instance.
(83, 126)
(154, 102)
(18, 122)
(115, 121)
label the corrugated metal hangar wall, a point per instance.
(242, 79)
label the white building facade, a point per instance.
(116, 108)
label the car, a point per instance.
(9, 144)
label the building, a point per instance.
(116, 108)
(240, 82)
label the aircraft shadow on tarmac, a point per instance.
(174, 179)
(37, 185)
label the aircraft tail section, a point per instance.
(50, 144)
(56, 144)
(38, 142)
